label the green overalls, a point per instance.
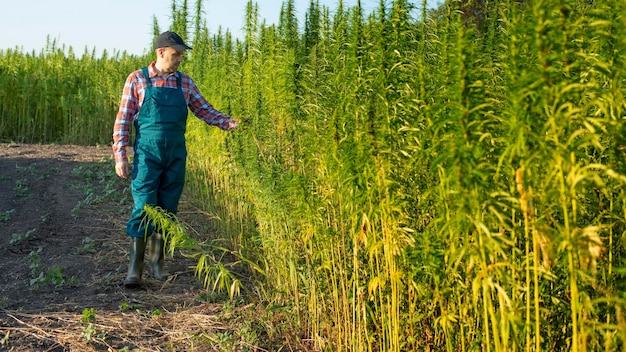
(158, 174)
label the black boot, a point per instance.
(135, 268)
(157, 256)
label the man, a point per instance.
(155, 100)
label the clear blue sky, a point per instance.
(124, 25)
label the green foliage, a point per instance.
(6, 215)
(445, 183)
(36, 268)
(40, 275)
(128, 306)
(216, 275)
(88, 246)
(22, 188)
(89, 319)
(19, 237)
(57, 96)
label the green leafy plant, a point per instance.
(89, 319)
(22, 188)
(56, 276)
(19, 237)
(5, 216)
(88, 246)
(128, 306)
(36, 268)
(44, 218)
(40, 275)
(224, 341)
(89, 315)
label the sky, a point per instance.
(124, 25)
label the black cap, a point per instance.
(172, 40)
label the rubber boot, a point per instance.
(135, 268)
(157, 256)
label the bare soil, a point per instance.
(64, 256)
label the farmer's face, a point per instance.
(169, 59)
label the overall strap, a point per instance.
(144, 70)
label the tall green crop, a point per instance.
(437, 172)
(55, 96)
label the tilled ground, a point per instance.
(64, 256)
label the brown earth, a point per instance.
(64, 255)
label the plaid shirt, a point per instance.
(132, 98)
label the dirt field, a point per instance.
(64, 257)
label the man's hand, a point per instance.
(233, 124)
(121, 169)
